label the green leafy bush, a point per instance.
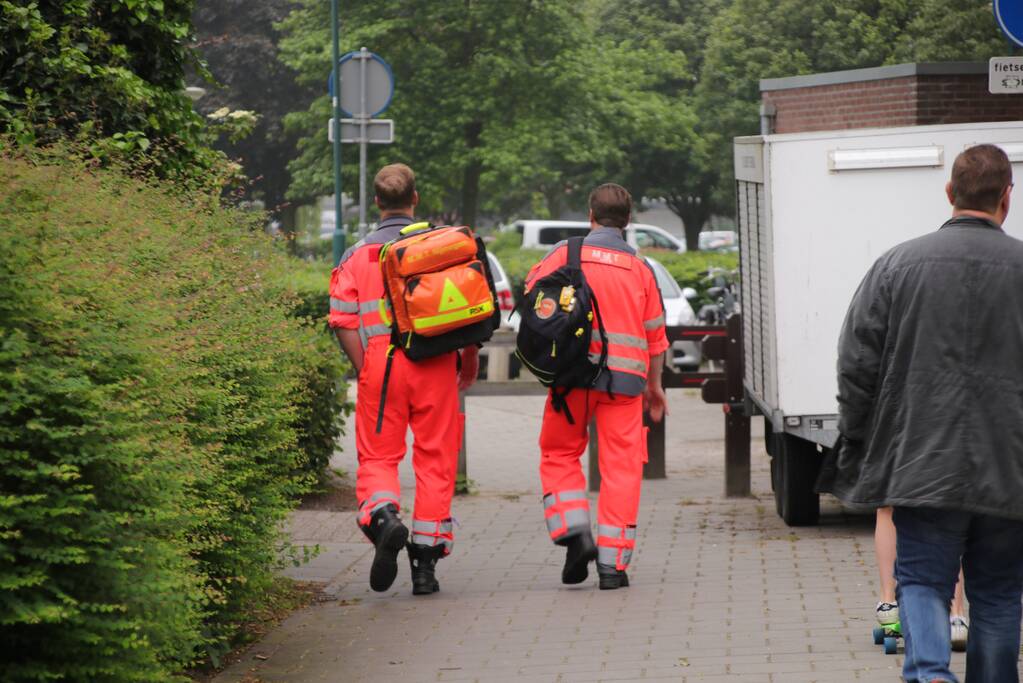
(110, 74)
(324, 400)
(156, 423)
(688, 268)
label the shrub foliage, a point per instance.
(157, 420)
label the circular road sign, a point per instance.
(379, 83)
(1010, 18)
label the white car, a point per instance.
(685, 355)
(505, 298)
(719, 240)
(542, 234)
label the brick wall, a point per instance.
(963, 99)
(886, 102)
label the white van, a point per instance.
(542, 234)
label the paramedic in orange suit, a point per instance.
(422, 395)
(633, 314)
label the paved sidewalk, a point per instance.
(721, 589)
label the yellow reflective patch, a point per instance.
(486, 307)
(385, 311)
(415, 227)
(451, 298)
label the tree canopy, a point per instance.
(499, 105)
(238, 42)
(754, 39)
(108, 72)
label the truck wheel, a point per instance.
(798, 464)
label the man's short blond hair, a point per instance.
(395, 187)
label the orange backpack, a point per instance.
(438, 282)
(441, 293)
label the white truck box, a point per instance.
(815, 210)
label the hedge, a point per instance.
(155, 399)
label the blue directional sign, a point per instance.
(1009, 14)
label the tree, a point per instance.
(951, 30)
(659, 46)
(754, 39)
(238, 42)
(497, 103)
(109, 72)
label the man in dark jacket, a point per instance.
(930, 388)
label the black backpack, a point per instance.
(557, 325)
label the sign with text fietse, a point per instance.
(1005, 76)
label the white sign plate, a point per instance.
(378, 131)
(1005, 76)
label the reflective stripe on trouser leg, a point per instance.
(376, 501)
(566, 512)
(434, 533)
(615, 544)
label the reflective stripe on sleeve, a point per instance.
(627, 340)
(654, 323)
(621, 362)
(370, 306)
(344, 306)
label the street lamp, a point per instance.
(194, 93)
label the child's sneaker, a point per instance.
(960, 632)
(887, 613)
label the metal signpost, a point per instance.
(366, 89)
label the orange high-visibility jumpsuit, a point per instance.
(422, 395)
(633, 314)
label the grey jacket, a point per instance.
(930, 376)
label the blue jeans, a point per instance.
(929, 547)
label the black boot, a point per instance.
(581, 551)
(611, 578)
(423, 560)
(388, 534)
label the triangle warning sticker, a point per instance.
(451, 298)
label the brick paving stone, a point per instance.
(721, 589)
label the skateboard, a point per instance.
(888, 636)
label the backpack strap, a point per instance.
(602, 363)
(560, 405)
(383, 388)
(575, 252)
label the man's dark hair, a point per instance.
(980, 175)
(395, 186)
(611, 205)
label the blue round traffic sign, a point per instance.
(367, 82)
(1009, 14)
